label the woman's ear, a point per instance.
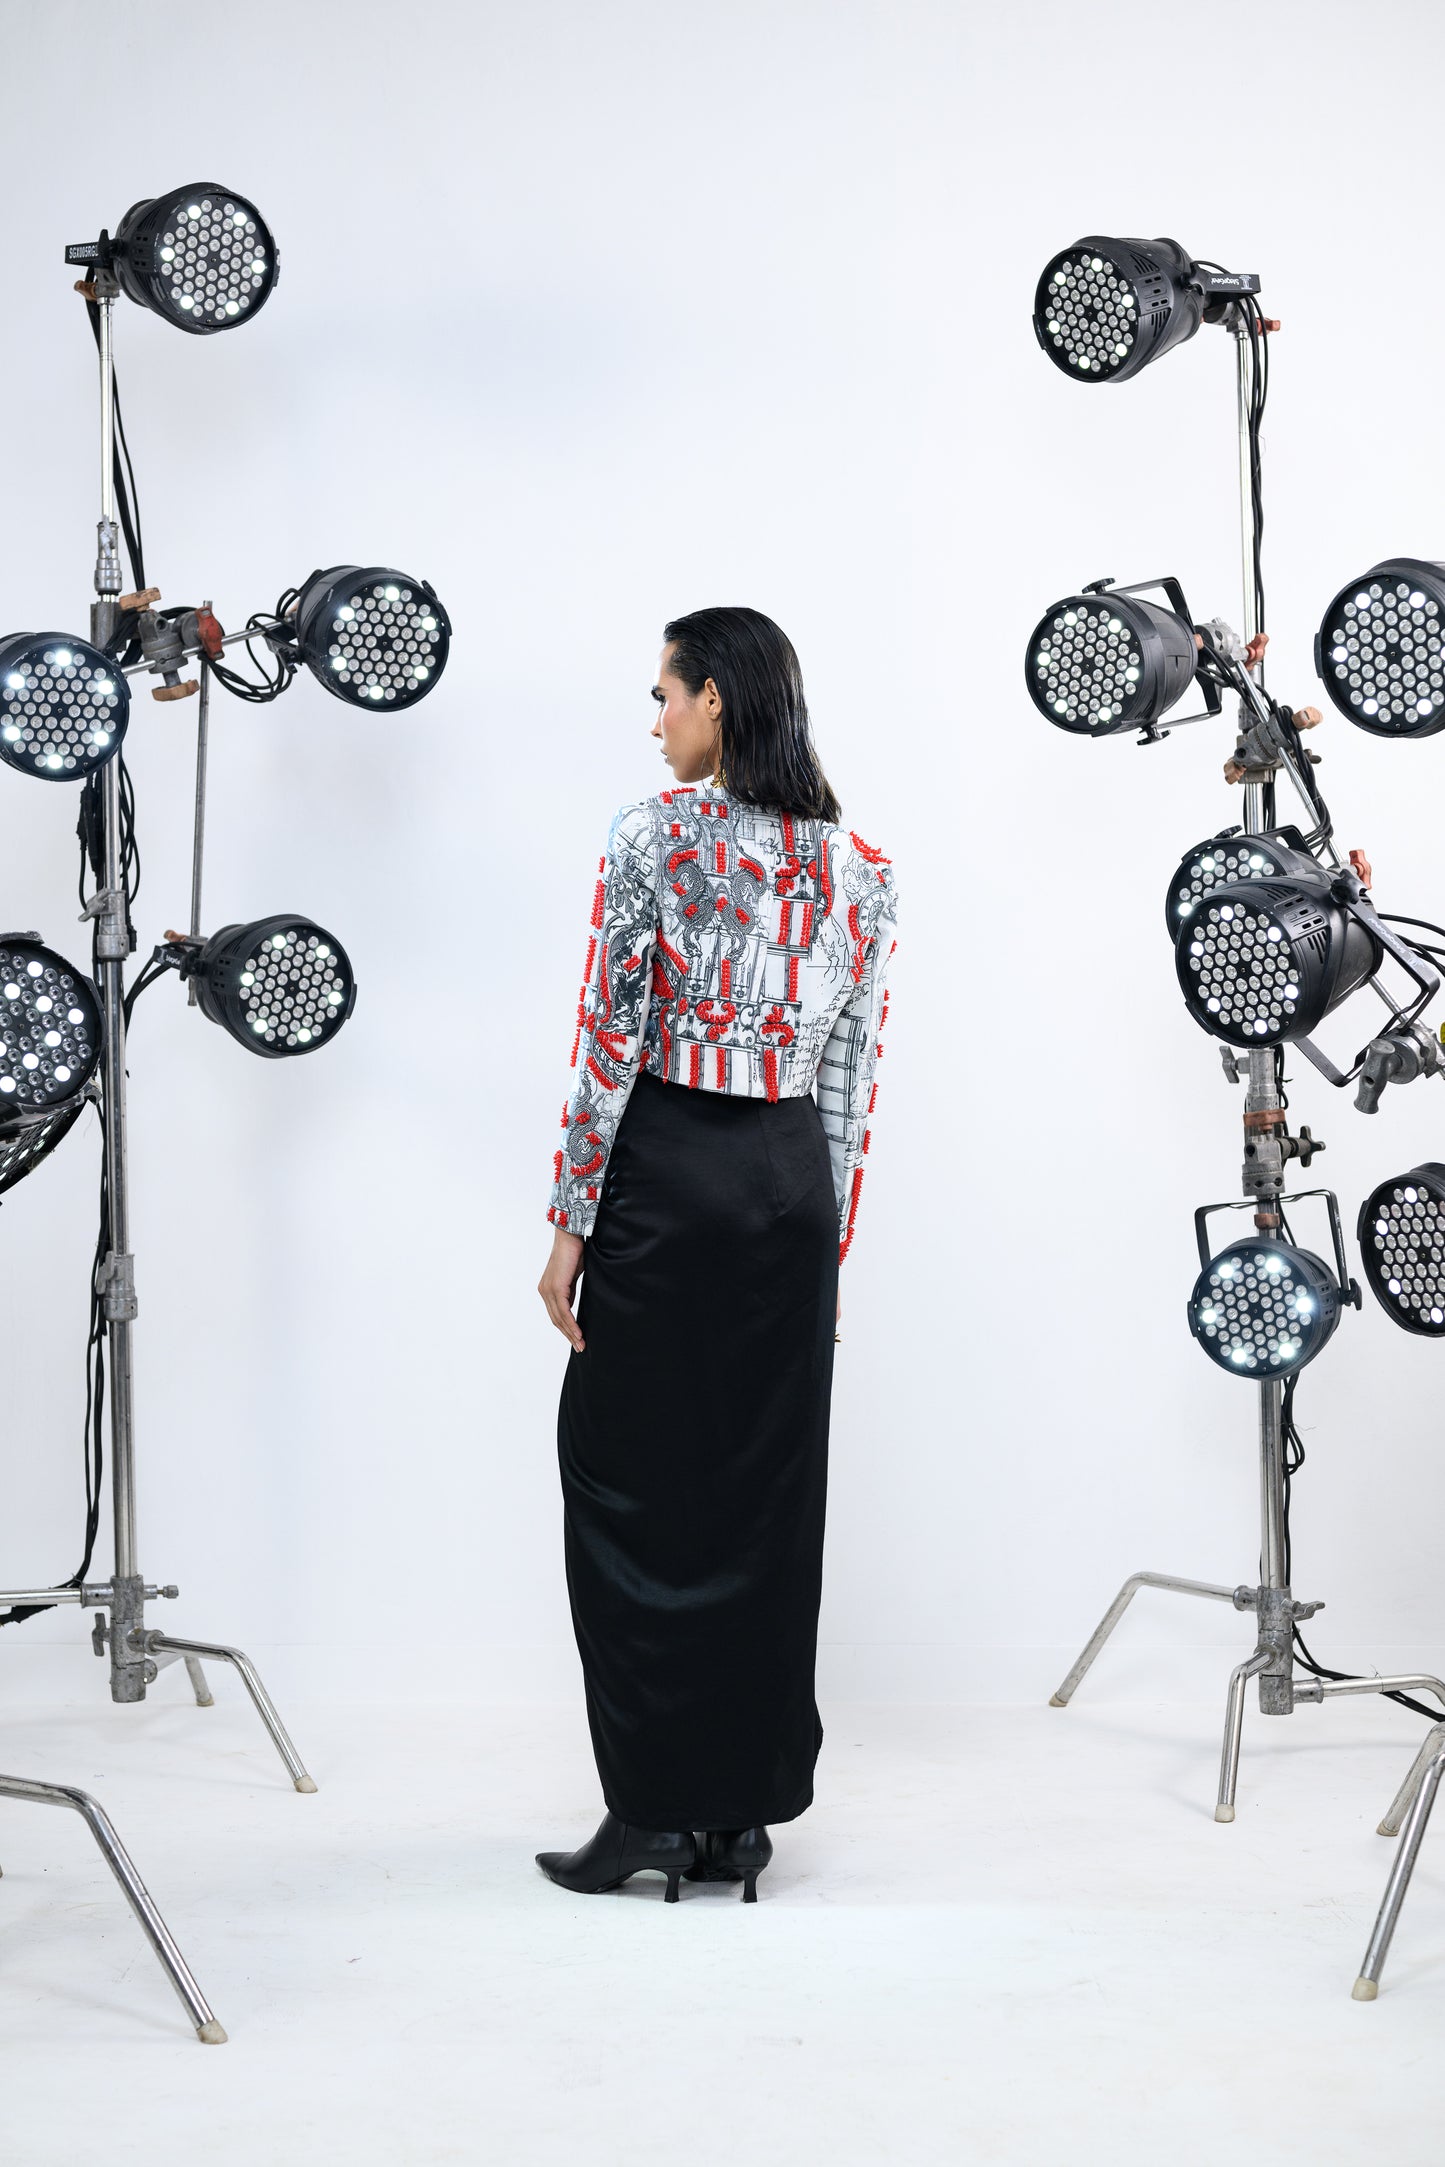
(712, 699)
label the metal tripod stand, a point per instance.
(1272, 1601)
(1267, 1146)
(137, 1654)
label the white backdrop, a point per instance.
(595, 314)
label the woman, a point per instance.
(735, 965)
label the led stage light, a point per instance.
(1380, 652)
(50, 1045)
(374, 637)
(50, 1028)
(1105, 660)
(1261, 963)
(280, 986)
(1402, 1240)
(1106, 307)
(1263, 1309)
(202, 257)
(63, 706)
(1224, 860)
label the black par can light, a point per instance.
(1380, 652)
(202, 257)
(1106, 660)
(50, 1029)
(1262, 1309)
(1107, 307)
(1262, 962)
(280, 985)
(51, 1036)
(374, 637)
(1402, 1240)
(64, 706)
(1223, 860)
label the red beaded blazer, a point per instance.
(730, 949)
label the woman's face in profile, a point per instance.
(686, 725)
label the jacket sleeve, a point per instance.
(847, 1073)
(611, 1016)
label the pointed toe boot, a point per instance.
(616, 1853)
(733, 1854)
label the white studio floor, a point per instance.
(1005, 1935)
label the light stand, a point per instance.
(1267, 1147)
(137, 1653)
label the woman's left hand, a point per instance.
(558, 1284)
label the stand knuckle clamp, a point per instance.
(115, 1283)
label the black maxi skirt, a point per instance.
(693, 1442)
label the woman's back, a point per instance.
(732, 949)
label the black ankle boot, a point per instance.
(733, 1854)
(618, 1851)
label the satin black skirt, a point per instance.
(693, 1442)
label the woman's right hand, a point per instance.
(558, 1284)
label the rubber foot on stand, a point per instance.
(1382, 1830)
(1224, 1813)
(1365, 1990)
(304, 1783)
(1055, 1702)
(212, 2034)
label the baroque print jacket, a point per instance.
(730, 949)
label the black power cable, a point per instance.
(1257, 333)
(268, 687)
(94, 1456)
(127, 502)
(1294, 1460)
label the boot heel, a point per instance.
(750, 1884)
(672, 1891)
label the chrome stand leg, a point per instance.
(193, 1650)
(1409, 1789)
(1367, 1986)
(1233, 1729)
(1116, 1610)
(198, 1683)
(117, 1858)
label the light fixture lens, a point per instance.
(62, 712)
(50, 1028)
(1380, 651)
(1263, 1309)
(373, 637)
(1402, 1240)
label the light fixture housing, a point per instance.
(51, 1031)
(1106, 661)
(1261, 963)
(1225, 859)
(1401, 1233)
(375, 637)
(280, 985)
(1106, 308)
(64, 706)
(202, 257)
(1263, 1309)
(1380, 650)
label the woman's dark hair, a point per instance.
(768, 756)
